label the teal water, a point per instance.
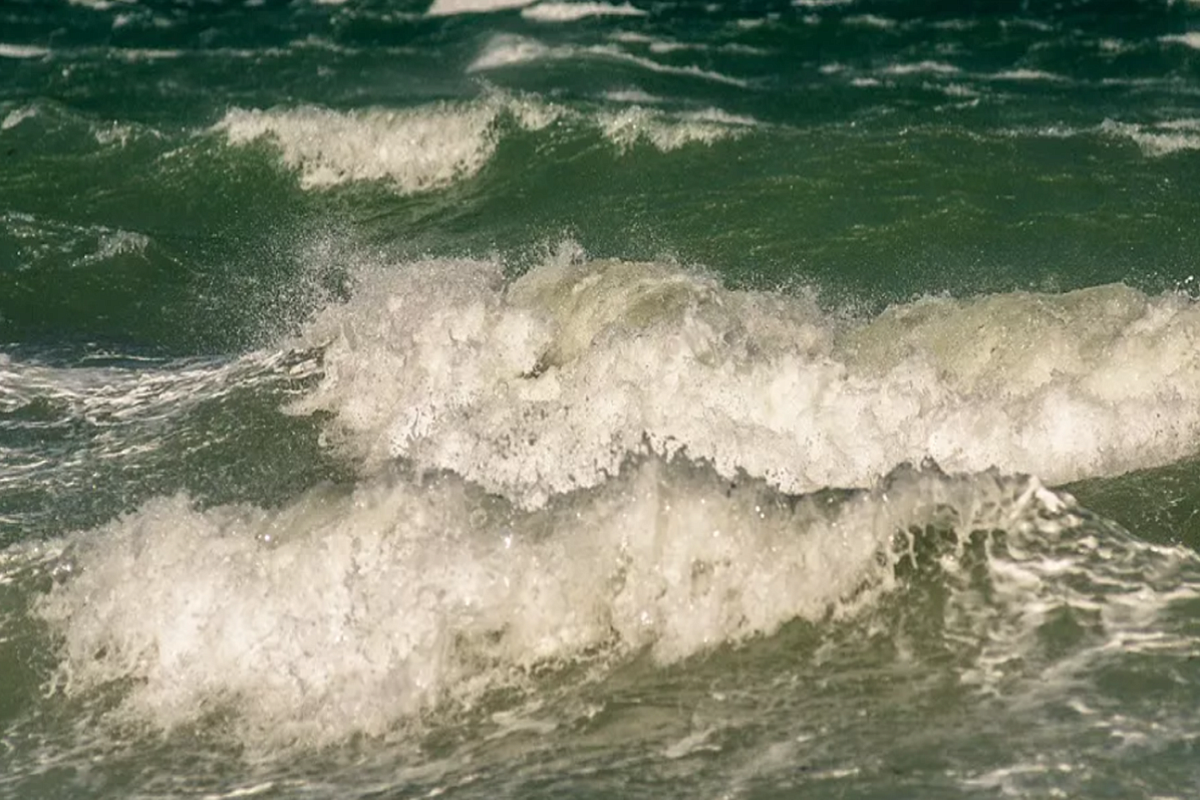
(599, 399)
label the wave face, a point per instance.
(542, 398)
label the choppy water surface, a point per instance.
(529, 399)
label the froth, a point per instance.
(548, 384)
(415, 149)
(346, 613)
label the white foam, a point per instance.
(922, 68)
(18, 115)
(548, 385)
(1028, 75)
(1160, 139)
(344, 614)
(1190, 39)
(22, 51)
(442, 8)
(415, 149)
(870, 21)
(669, 132)
(573, 12)
(507, 50)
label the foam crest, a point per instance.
(573, 12)
(922, 68)
(415, 149)
(344, 614)
(1190, 39)
(16, 116)
(1159, 139)
(548, 384)
(666, 132)
(442, 8)
(506, 50)
(22, 51)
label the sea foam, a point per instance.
(546, 385)
(604, 458)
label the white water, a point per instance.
(364, 609)
(346, 613)
(548, 384)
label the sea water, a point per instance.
(503, 398)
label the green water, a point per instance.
(400, 401)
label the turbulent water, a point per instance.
(524, 398)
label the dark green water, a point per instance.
(410, 401)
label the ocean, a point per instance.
(599, 399)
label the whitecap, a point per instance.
(573, 12)
(415, 149)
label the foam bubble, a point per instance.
(572, 12)
(346, 613)
(415, 149)
(547, 385)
